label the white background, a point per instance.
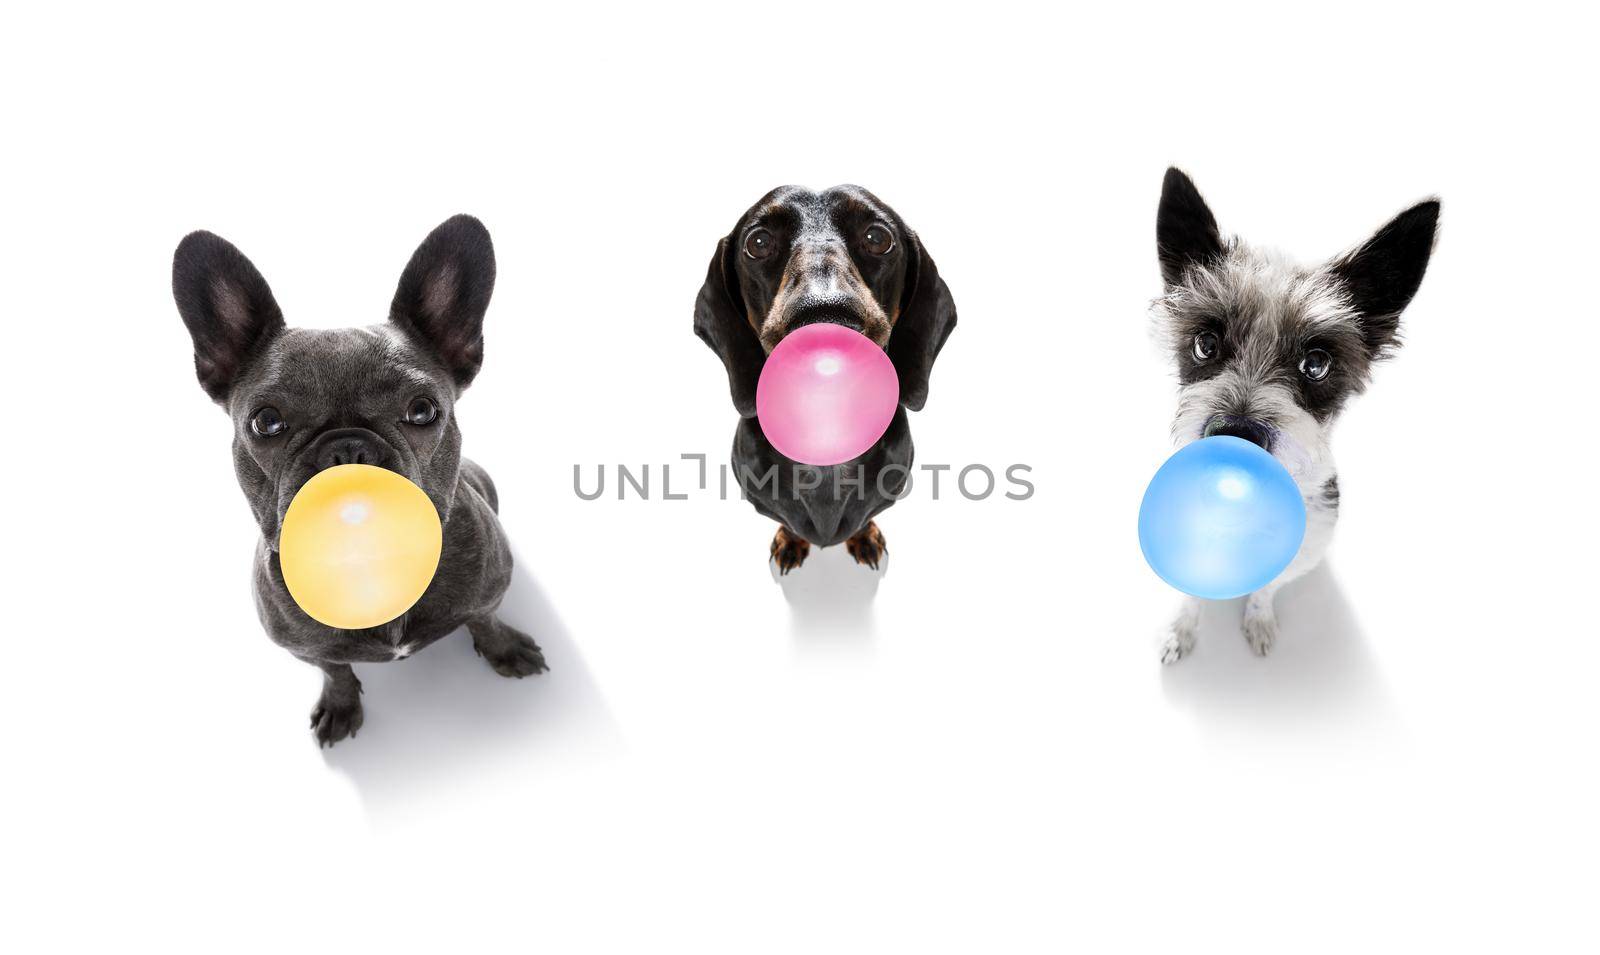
(978, 752)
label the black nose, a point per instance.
(1251, 430)
(350, 446)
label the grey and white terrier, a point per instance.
(1270, 351)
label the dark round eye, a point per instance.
(268, 423)
(1316, 364)
(759, 243)
(421, 411)
(878, 239)
(1206, 346)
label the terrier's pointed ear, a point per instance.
(1385, 272)
(1186, 231)
(444, 292)
(227, 306)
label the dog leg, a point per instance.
(867, 546)
(509, 651)
(338, 711)
(1180, 639)
(789, 549)
(1260, 622)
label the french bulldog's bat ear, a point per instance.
(444, 292)
(719, 320)
(1385, 272)
(227, 306)
(926, 319)
(1186, 231)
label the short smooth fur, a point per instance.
(302, 400)
(798, 257)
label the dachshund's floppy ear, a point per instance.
(227, 306)
(927, 317)
(444, 292)
(719, 320)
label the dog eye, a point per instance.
(268, 423)
(878, 239)
(1206, 346)
(759, 244)
(1316, 364)
(421, 411)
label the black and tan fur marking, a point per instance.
(794, 258)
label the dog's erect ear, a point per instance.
(927, 317)
(1384, 273)
(227, 306)
(444, 292)
(719, 320)
(1186, 231)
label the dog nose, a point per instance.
(350, 446)
(1251, 430)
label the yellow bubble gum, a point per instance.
(359, 546)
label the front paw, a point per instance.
(334, 718)
(509, 651)
(867, 547)
(1261, 630)
(789, 550)
(1179, 645)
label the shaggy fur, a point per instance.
(1270, 351)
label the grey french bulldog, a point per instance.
(303, 400)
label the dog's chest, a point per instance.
(394, 638)
(401, 637)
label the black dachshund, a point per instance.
(798, 257)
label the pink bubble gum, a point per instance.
(826, 394)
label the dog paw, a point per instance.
(868, 546)
(510, 652)
(1178, 646)
(789, 550)
(334, 719)
(1261, 630)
